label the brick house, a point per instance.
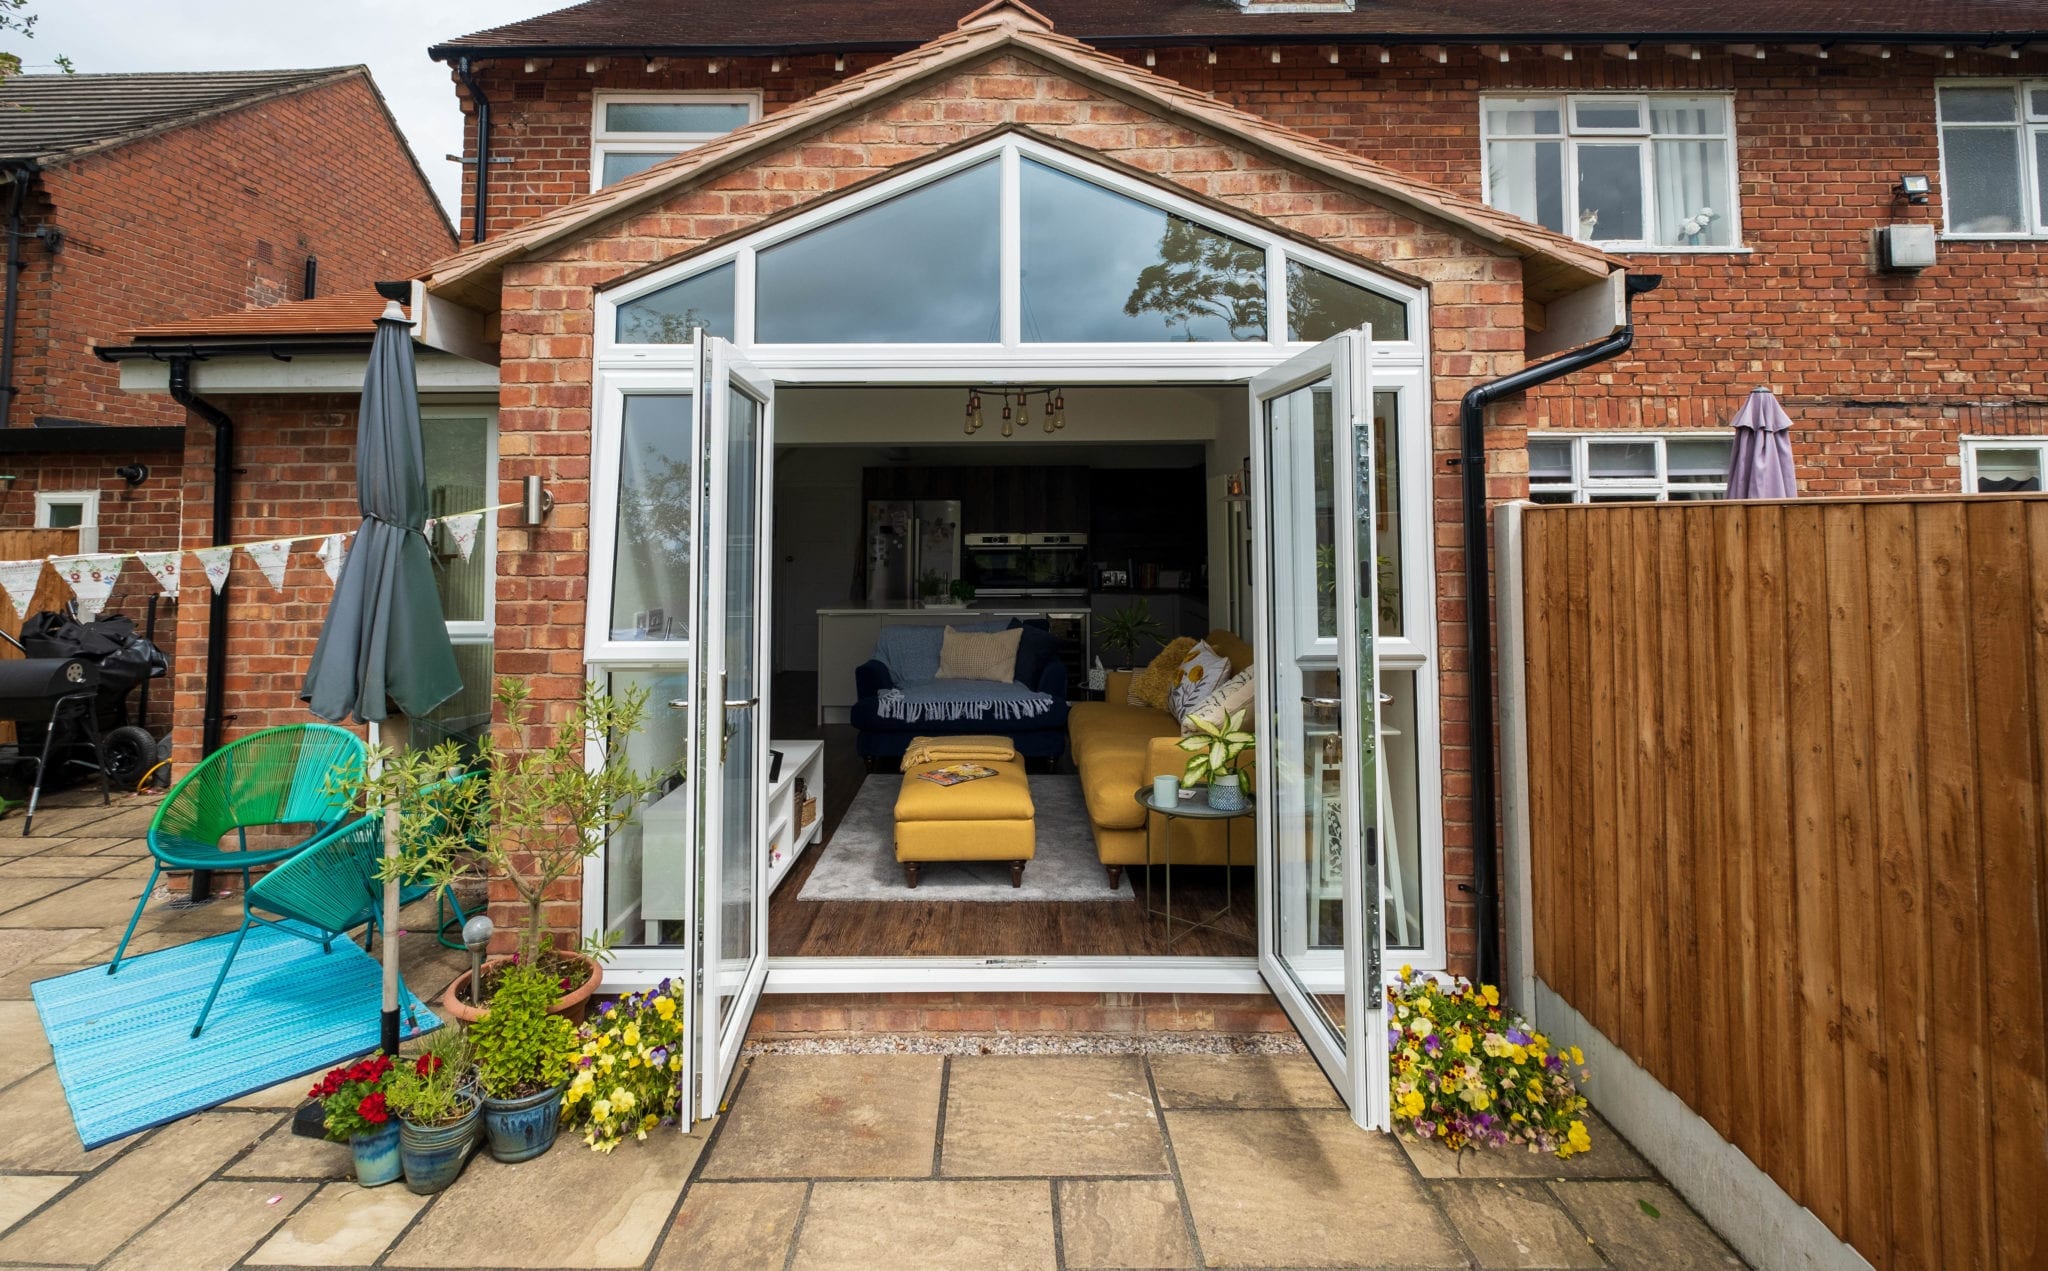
(1479, 188)
(138, 198)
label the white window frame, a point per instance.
(1730, 201)
(1972, 443)
(2028, 124)
(1654, 488)
(89, 516)
(667, 144)
(481, 631)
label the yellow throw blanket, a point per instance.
(924, 750)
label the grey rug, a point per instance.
(860, 861)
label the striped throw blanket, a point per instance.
(950, 701)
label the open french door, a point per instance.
(1320, 930)
(734, 418)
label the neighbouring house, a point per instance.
(776, 299)
(150, 197)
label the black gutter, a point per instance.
(283, 349)
(1479, 599)
(483, 145)
(17, 204)
(214, 712)
(93, 439)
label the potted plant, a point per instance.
(435, 1100)
(529, 815)
(523, 1053)
(1128, 629)
(962, 592)
(1215, 752)
(627, 1078)
(354, 1111)
(931, 587)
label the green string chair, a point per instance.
(278, 776)
(448, 912)
(328, 890)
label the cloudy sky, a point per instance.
(389, 36)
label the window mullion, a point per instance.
(1010, 250)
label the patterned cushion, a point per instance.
(1200, 672)
(1234, 694)
(1153, 685)
(992, 655)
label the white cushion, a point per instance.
(1200, 672)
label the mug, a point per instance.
(1165, 791)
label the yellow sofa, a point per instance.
(1119, 748)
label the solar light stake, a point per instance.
(476, 934)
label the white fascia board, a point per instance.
(439, 373)
(450, 327)
(1588, 314)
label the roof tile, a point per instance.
(47, 116)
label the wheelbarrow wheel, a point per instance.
(131, 751)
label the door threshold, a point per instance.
(1014, 975)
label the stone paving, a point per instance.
(909, 1162)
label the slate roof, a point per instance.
(46, 117)
(677, 26)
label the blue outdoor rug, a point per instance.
(124, 1045)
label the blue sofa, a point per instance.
(1041, 737)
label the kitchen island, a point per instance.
(847, 635)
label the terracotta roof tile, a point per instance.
(352, 314)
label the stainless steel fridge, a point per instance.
(906, 539)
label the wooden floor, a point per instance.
(951, 928)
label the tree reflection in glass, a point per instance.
(651, 577)
(669, 315)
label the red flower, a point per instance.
(427, 1065)
(372, 1109)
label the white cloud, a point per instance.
(389, 36)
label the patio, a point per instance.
(822, 1160)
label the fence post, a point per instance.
(1518, 947)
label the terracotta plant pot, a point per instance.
(572, 1005)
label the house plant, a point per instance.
(1128, 629)
(529, 814)
(627, 1075)
(354, 1111)
(434, 1097)
(523, 1052)
(1215, 752)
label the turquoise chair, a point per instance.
(279, 776)
(328, 890)
(448, 912)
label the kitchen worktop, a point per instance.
(995, 604)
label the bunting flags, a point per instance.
(18, 578)
(270, 558)
(462, 527)
(333, 551)
(91, 579)
(162, 566)
(215, 562)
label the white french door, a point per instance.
(1318, 779)
(729, 736)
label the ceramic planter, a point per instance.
(1226, 792)
(376, 1156)
(572, 1005)
(433, 1155)
(521, 1129)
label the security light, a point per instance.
(1913, 189)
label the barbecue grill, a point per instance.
(49, 692)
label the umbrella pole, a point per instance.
(389, 1032)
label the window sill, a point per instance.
(1992, 238)
(1633, 250)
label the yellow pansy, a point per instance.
(1411, 1104)
(601, 1110)
(1578, 1056)
(665, 1007)
(1491, 994)
(632, 1035)
(1463, 1044)
(1577, 1139)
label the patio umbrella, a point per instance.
(1761, 467)
(385, 641)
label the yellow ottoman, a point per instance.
(987, 820)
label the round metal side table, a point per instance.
(1196, 809)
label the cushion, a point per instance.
(1200, 672)
(1153, 685)
(1227, 643)
(1037, 648)
(971, 655)
(911, 651)
(1234, 694)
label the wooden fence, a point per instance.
(50, 590)
(1786, 800)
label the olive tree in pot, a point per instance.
(529, 815)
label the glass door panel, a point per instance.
(1315, 557)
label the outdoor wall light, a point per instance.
(133, 473)
(535, 502)
(1913, 189)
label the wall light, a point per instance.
(1913, 189)
(133, 473)
(535, 502)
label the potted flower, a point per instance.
(523, 1052)
(627, 1077)
(1215, 753)
(530, 815)
(435, 1099)
(354, 1111)
(1128, 629)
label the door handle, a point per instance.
(1323, 703)
(742, 704)
(679, 703)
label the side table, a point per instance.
(1192, 810)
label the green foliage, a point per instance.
(520, 1048)
(1128, 629)
(1213, 749)
(629, 1075)
(931, 583)
(963, 591)
(353, 1099)
(15, 20)
(434, 1086)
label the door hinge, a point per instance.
(1374, 970)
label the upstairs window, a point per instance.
(631, 132)
(1994, 159)
(1646, 172)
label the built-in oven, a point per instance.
(999, 564)
(1056, 563)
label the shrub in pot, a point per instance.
(353, 1106)
(523, 1054)
(435, 1098)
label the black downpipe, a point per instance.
(213, 712)
(1479, 599)
(483, 144)
(17, 206)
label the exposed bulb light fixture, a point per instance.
(1016, 410)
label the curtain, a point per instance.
(1691, 176)
(1527, 180)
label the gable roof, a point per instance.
(47, 117)
(1555, 266)
(733, 26)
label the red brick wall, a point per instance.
(798, 1017)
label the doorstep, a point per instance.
(1121, 1021)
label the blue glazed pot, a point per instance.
(435, 1154)
(376, 1156)
(1227, 795)
(521, 1129)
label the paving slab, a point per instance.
(1515, 1226)
(939, 1225)
(1012, 1115)
(27, 1049)
(21, 1194)
(213, 1228)
(1630, 1235)
(733, 1227)
(92, 903)
(1611, 1157)
(832, 1116)
(342, 1226)
(20, 890)
(569, 1208)
(289, 1093)
(1242, 1081)
(15, 981)
(1116, 1222)
(93, 1219)
(1305, 1188)
(40, 1134)
(123, 846)
(282, 1154)
(46, 865)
